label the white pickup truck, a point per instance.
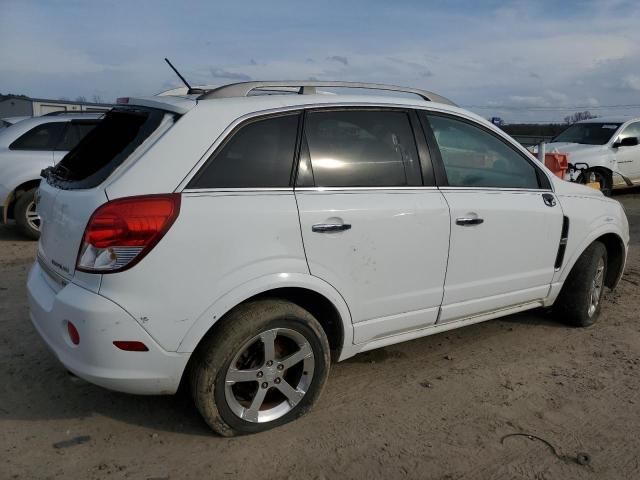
(608, 148)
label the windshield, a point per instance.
(588, 133)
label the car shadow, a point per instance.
(9, 232)
(52, 393)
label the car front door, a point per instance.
(628, 157)
(505, 220)
(370, 226)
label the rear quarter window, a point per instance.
(41, 137)
(258, 155)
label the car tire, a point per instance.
(580, 299)
(235, 350)
(25, 214)
(604, 177)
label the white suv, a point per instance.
(241, 242)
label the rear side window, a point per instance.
(76, 131)
(473, 157)
(361, 148)
(104, 148)
(258, 155)
(42, 137)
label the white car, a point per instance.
(28, 146)
(7, 122)
(241, 242)
(607, 147)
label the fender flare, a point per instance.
(597, 232)
(264, 284)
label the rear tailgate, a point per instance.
(73, 189)
(64, 215)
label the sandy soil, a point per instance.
(436, 407)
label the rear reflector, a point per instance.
(121, 232)
(74, 336)
(131, 346)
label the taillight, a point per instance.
(121, 232)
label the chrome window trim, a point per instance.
(360, 189)
(498, 189)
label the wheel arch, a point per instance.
(312, 294)
(616, 255)
(10, 200)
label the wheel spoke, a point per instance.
(251, 413)
(238, 376)
(268, 339)
(293, 395)
(304, 352)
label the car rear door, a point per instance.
(505, 220)
(370, 226)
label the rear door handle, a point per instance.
(330, 227)
(468, 221)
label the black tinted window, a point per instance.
(75, 132)
(42, 137)
(473, 157)
(362, 149)
(105, 147)
(259, 155)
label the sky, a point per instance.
(520, 60)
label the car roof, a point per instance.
(611, 119)
(14, 120)
(283, 94)
(8, 135)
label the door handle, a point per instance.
(330, 227)
(549, 200)
(468, 221)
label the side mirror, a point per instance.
(626, 142)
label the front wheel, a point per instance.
(603, 177)
(580, 300)
(264, 366)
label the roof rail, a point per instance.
(308, 87)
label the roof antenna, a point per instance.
(190, 90)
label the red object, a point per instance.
(131, 346)
(74, 336)
(558, 163)
(131, 222)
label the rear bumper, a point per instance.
(100, 322)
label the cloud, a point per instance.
(544, 54)
(339, 59)
(631, 82)
(219, 73)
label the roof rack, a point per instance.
(308, 87)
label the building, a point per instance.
(17, 106)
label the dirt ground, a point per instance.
(437, 407)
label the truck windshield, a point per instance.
(588, 133)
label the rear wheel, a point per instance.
(579, 301)
(263, 367)
(27, 219)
